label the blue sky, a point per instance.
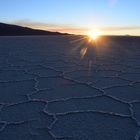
(111, 16)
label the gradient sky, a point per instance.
(74, 16)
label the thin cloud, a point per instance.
(73, 29)
(50, 26)
(121, 28)
(38, 25)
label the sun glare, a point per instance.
(93, 34)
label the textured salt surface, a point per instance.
(47, 92)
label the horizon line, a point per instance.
(71, 29)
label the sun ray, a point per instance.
(93, 35)
(83, 52)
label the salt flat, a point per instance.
(65, 88)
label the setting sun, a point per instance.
(93, 34)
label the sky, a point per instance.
(112, 17)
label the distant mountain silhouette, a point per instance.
(13, 30)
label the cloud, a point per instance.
(65, 28)
(121, 28)
(32, 24)
(131, 30)
(50, 26)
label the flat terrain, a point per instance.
(65, 88)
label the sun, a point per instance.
(93, 34)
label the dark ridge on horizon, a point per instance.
(16, 30)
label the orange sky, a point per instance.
(128, 30)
